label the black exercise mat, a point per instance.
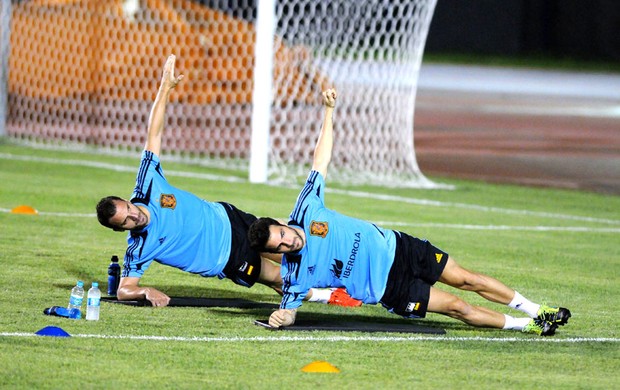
(200, 302)
(405, 326)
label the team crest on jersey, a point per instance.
(168, 201)
(319, 229)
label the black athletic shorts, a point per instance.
(244, 263)
(417, 266)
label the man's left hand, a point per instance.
(282, 317)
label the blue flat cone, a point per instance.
(52, 331)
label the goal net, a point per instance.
(85, 72)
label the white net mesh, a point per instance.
(86, 72)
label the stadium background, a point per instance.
(455, 133)
(526, 127)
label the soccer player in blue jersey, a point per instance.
(176, 228)
(322, 248)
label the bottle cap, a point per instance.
(95, 284)
(80, 283)
(115, 259)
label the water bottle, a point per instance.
(93, 302)
(77, 296)
(114, 275)
(59, 311)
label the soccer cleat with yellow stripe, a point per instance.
(540, 327)
(554, 315)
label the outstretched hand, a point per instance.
(329, 97)
(168, 79)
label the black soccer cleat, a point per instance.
(554, 315)
(540, 327)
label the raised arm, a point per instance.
(323, 148)
(158, 111)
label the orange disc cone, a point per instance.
(320, 366)
(23, 209)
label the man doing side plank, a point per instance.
(323, 248)
(176, 228)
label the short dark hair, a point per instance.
(106, 208)
(258, 233)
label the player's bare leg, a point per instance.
(448, 304)
(270, 275)
(544, 319)
(275, 257)
(489, 288)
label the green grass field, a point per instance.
(551, 245)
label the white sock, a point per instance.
(515, 323)
(525, 305)
(321, 295)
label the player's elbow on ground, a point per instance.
(123, 295)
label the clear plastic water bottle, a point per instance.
(77, 296)
(114, 275)
(93, 302)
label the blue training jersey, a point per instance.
(184, 231)
(340, 251)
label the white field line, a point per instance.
(53, 214)
(358, 194)
(335, 338)
(427, 202)
(118, 168)
(580, 229)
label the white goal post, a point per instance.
(84, 72)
